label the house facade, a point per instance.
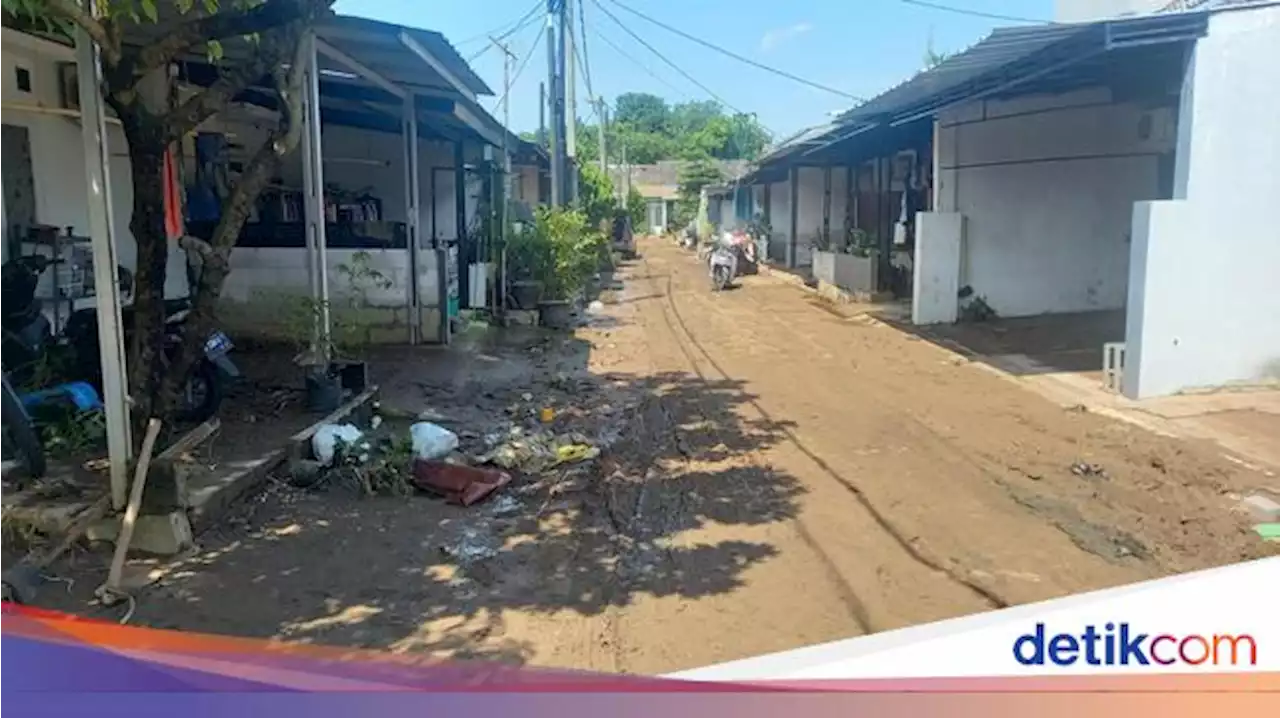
(1102, 173)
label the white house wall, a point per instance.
(1047, 186)
(808, 213)
(779, 219)
(1205, 310)
(57, 153)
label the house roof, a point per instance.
(1008, 62)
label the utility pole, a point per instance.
(508, 58)
(542, 114)
(570, 80)
(556, 138)
(601, 114)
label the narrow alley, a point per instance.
(782, 476)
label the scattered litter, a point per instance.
(375, 422)
(431, 441)
(595, 307)
(463, 485)
(504, 505)
(429, 414)
(471, 546)
(1082, 469)
(571, 453)
(547, 415)
(527, 396)
(325, 442)
(1268, 532)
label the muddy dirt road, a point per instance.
(783, 475)
(917, 487)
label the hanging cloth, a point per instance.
(172, 201)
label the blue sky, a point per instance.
(859, 46)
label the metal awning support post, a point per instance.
(462, 250)
(412, 183)
(826, 205)
(101, 230)
(795, 216)
(314, 203)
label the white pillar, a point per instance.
(313, 198)
(411, 192)
(935, 284)
(101, 231)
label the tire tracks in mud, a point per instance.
(857, 607)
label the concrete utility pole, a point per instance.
(508, 58)
(602, 115)
(555, 141)
(570, 81)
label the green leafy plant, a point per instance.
(350, 330)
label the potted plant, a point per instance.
(527, 256)
(339, 364)
(850, 265)
(573, 250)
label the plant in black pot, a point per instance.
(335, 364)
(528, 257)
(574, 249)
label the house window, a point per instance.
(23, 78)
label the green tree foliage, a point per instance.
(265, 39)
(653, 130)
(595, 195)
(694, 176)
(638, 211)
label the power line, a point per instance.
(670, 85)
(522, 23)
(537, 5)
(662, 57)
(586, 66)
(973, 13)
(734, 55)
(523, 64)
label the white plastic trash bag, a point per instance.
(431, 441)
(324, 443)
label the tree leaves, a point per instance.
(652, 130)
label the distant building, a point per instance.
(659, 184)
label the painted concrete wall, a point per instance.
(1047, 186)
(936, 279)
(779, 219)
(266, 284)
(57, 152)
(1087, 10)
(808, 213)
(1204, 309)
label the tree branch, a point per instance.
(97, 31)
(187, 116)
(187, 34)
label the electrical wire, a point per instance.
(586, 65)
(973, 13)
(525, 22)
(537, 5)
(662, 57)
(669, 85)
(734, 55)
(523, 64)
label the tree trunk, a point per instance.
(145, 135)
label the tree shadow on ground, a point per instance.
(415, 575)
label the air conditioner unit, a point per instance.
(68, 86)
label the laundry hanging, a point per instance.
(172, 202)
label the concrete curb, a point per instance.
(209, 503)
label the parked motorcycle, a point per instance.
(28, 338)
(722, 263)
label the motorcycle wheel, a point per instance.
(201, 393)
(720, 278)
(21, 434)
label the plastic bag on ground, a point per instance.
(431, 441)
(324, 443)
